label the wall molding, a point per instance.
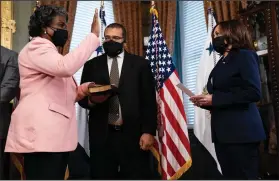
(8, 24)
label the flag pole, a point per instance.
(38, 4)
(210, 10)
(153, 10)
(101, 14)
(160, 128)
(152, 4)
(210, 4)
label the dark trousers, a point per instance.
(79, 164)
(238, 161)
(119, 158)
(45, 166)
(4, 161)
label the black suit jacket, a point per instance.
(9, 81)
(137, 98)
(236, 87)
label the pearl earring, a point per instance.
(45, 32)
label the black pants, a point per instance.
(45, 166)
(4, 161)
(238, 161)
(119, 158)
(79, 164)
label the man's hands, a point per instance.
(99, 98)
(95, 27)
(146, 141)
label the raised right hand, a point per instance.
(95, 27)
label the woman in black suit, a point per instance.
(234, 87)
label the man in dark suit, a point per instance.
(9, 80)
(121, 126)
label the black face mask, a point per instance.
(219, 44)
(59, 37)
(112, 48)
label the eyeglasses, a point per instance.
(114, 38)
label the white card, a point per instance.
(185, 90)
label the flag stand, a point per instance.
(160, 122)
(171, 123)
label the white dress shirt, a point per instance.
(120, 59)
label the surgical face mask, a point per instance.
(113, 48)
(59, 37)
(219, 44)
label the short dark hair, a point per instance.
(236, 34)
(117, 25)
(42, 17)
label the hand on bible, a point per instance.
(95, 27)
(146, 141)
(98, 98)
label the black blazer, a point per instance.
(137, 98)
(9, 81)
(236, 87)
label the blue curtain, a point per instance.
(177, 58)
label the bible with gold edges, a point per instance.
(97, 89)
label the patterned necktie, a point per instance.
(114, 101)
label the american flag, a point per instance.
(172, 146)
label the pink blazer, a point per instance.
(45, 118)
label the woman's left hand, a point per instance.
(202, 100)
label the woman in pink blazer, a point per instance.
(44, 126)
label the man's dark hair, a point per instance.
(236, 34)
(117, 25)
(43, 17)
